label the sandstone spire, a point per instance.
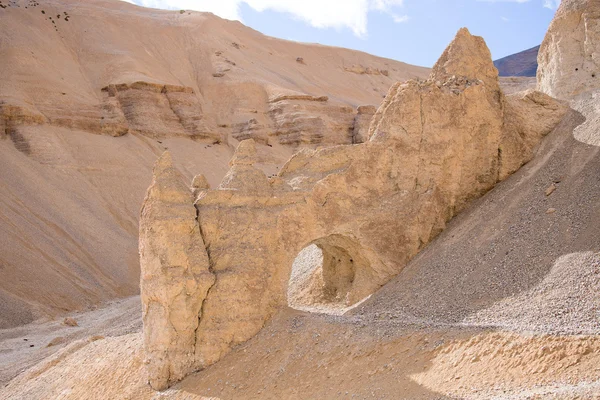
(467, 56)
(243, 176)
(199, 183)
(175, 276)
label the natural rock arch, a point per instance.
(331, 275)
(433, 147)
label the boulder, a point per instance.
(528, 117)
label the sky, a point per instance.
(413, 31)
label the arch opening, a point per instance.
(325, 276)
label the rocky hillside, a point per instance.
(501, 304)
(519, 64)
(92, 92)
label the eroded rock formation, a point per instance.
(433, 146)
(175, 279)
(569, 58)
(308, 120)
(361, 70)
(362, 123)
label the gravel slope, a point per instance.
(506, 243)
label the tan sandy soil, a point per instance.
(299, 356)
(24, 346)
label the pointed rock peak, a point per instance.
(245, 154)
(467, 56)
(167, 182)
(200, 183)
(164, 162)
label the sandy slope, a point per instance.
(432, 332)
(24, 346)
(71, 197)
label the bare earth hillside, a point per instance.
(91, 92)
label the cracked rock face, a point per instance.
(175, 276)
(569, 58)
(433, 147)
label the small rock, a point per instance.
(200, 182)
(551, 211)
(56, 341)
(70, 322)
(300, 60)
(550, 189)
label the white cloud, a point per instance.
(504, 1)
(551, 4)
(318, 13)
(400, 18)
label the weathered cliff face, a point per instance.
(569, 58)
(433, 146)
(208, 79)
(154, 110)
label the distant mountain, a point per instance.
(519, 64)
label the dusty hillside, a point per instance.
(91, 92)
(523, 63)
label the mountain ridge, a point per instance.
(523, 63)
